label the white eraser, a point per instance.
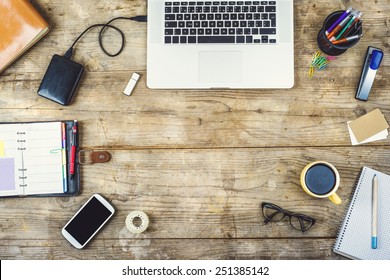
(130, 86)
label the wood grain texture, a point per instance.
(192, 194)
(151, 118)
(172, 249)
(198, 162)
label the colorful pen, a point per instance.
(374, 235)
(360, 27)
(339, 27)
(347, 39)
(359, 24)
(338, 21)
(354, 25)
(350, 23)
(73, 149)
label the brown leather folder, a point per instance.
(21, 26)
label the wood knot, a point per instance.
(359, 111)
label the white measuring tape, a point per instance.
(139, 228)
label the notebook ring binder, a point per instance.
(346, 215)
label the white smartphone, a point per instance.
(88, 221)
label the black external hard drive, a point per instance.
(61, 79)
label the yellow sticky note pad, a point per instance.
(2, 153)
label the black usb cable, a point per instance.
(104, 26)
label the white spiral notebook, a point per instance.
(354, 237)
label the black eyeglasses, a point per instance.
(274, 213)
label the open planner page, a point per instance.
(31, 159)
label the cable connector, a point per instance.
(140, 18)
(69, 53)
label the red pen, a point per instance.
(73, 149)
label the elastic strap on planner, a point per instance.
(349, 209)
(91, 157)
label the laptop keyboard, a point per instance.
(243, 22)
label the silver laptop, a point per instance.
(220, 44)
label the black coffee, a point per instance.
(320, 179)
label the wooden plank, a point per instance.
(68, 20)
(198, 193)
(152, 118)
(172, 249)
(19, 89)
(202, 128)
(104, 92)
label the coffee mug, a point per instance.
(321, 179)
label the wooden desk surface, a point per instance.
(198, 162)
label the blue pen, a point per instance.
(374, 235)
(343, 16)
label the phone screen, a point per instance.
(88, 220)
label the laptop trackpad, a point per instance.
(220, 66)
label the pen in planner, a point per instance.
(73, 149)
(374, 234)
(330, 29)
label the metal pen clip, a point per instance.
(371, 64)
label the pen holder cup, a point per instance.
(325, 45)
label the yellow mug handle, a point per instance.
(335, 198)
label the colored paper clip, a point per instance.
(316, 55)
(318, 62)
(311, 71)
(371, 64)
